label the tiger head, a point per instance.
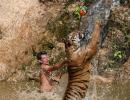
(74, 39)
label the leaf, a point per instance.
(120, 56)
(128, 36)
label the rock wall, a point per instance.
(116, 47)
(22, 26)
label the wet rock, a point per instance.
(3, 71)
(126, 66)
(61, 45)
(23, 25)
(118, 27)
(102, 79)
(17, 76)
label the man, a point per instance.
(45, 77)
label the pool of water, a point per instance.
(118, 90)
(109, 91)
(30, 91)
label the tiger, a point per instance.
(80, 65)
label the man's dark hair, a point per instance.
(41, 53)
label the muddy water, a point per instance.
(29, 91)
(110, 91)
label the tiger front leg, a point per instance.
(91, 47)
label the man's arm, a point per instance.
(58, 65)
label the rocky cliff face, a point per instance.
(22, 26)
(116, 47)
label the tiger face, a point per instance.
(75, 39)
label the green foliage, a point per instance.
(119, 54)
(123, 1)
(119, 51)
(76, 12)
(110, 64)
(62, 25)
(24, 67)
(69, 2)
(48, 45)
(128, 37)
(60, 30)
(120, 29)
(57, 58)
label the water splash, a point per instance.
(118, 90)
(30, 90)
(34, 95)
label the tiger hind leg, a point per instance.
(78, 83)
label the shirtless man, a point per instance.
(45, 79)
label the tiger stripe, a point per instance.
(78, 83)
